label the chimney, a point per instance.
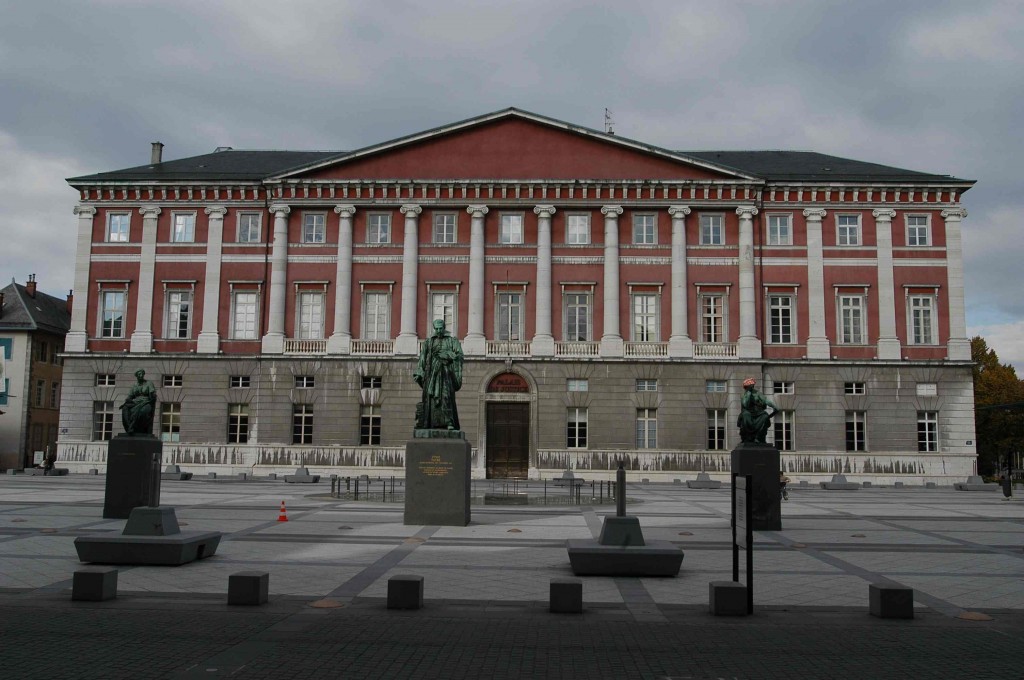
(157, 155)
(30, 286)
(71, 300)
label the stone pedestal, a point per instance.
(133, 475)
(761, 461)
(150, 537)
(437, 478)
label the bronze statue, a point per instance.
(754, 419)
(137, 409)
(439, 373)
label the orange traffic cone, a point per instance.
(283, 517)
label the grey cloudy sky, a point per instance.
(936, 86)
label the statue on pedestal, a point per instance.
(439, 373)
(138, 407)
(754, 419)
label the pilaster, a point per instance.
(958, 348)
(818, 346)
(475, 342)
(543, 341)
(340, 341)
(680, 345)
(209, 338)
(273, 341)
(142, 338)
(612, 344)
(889, 346)
(77, 339)
(749, 346)
(407, 342)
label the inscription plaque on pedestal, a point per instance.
(133, 475)
(437, 480)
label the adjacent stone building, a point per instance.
(610, 296)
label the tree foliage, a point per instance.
(1000, 430)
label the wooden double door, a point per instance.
(508, 440)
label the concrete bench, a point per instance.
(565, 596)
(891, 601)
(405, 592)
(94, 584)
(727, 598)
(302, 476)
(248, 587)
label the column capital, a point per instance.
(86, 210)
(679, 211)
(815, 214)
(345, 210)
(883, 214)
(544, 210)
(746, 211)
(279, 209)
(409, 208)
(611, 210)
(954, 214)
(149, 211)
(216, 211)
(477, 210)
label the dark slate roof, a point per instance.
(218, 166)
(42, 312)
(782, 166)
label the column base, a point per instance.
(890, 349)
(612, 346)
(407, 343)
(141, 343)
(208, 343)
(273, 343)
(474, 345)
(542, 346)
(680, 347)
(339, 343)
(819, 348)
(748, 347)
(76, 341)
(958, 349)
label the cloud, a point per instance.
(1007, 339)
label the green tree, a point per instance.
(999, 430)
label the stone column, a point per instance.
(209, 338)
(142, 338)
(340, 341)
(818, 346)
(77, 339)
(543, 342)
(273, 341)
(476, 342)
(749, 346)
(680, 345)
(889, 346)
(407, 342)
(958, 348)
(611, 341)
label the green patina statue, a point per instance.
(137, 409)
(754, 419)
(439, 373)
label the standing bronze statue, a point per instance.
(138, 407)
(439, 373)
(754, 419)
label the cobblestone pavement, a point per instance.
(486, 589)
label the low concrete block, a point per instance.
(302, 476)
(272, 475)
(93, 471)
(249, 587)
(566, 596)
(703, 481)
(891, 601)
(839, 483)
(212, 475)
(931, 485)
(12, 471)
(804, 484)
(94, 584)
(405, 592)
(727, 598)
(867, 485)
(898, 485)
(587, 557)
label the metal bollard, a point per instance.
(620, 492)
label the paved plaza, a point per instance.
(486, 588)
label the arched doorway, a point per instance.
(508, 427)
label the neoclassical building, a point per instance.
(610, 297)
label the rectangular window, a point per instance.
(249, 227)
(305, 382)
(780, 319)
(178, 319)
(243, 316)
(927, 389)
(712, 386)
(645, 230)
(577, 385)
(576, 428)
(176, 380)
(371, 382)
(170, 422)
(183, 229)
(577, 229)
(928, 431)
(854, 388)
(376, 316)
(647, 428)
(106, 380)
(237, 381)
(238, 423)
(712, 230)
(782, 430)
(112, 311)
(712, 318)
(118, 225)
(511, 231)
(444, 228)
(780, 230)
(314, 227)
(302, 424)
(54, 395)
(378, 228)
(851, 320)
(783, 387)
(40, 393)
(645, 317)
(646, 384)
(442, 306)
(848, 230)
(39, 351)
(855, 431)
(369, 426)
(716, 429)
(510, 317)
(577, 317)
(311, 316)
(918, 231)
(922, 319)
(102, 420)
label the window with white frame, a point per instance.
(780, 230)
(511, 229)
(577, 385)
(715, 386)
(783, 387)
(249, 227)
(244, 309)
(712, 317)
(782, 430)
(310, 310)
(918, 231)
(645, 230)
(178, 315)
(183, 227)
(371, 382)
(716, 429)
(106, 379)
(577, 229)
(442, 306)
(378, 228)
(928, 431)
(238, 423)
(304, 382)
(376, 315)
(118, 227)
(314, 227)
(509, 326)
(856, 438)
(302, 424)
(712, 230)
(102, 420)
(577, 317)
(780, 319)
(112, 312)
(647, 428)
(645, 317)
(854, 388)
(848, 230)
(921, 311)
(54, 395)
(239, 381)
(170, 421)
(576, 428)
(444, 227)
(852, 322)
(40, 392)
(173, 380)
(646, 384)
(369, 425)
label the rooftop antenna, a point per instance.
(608, 122)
